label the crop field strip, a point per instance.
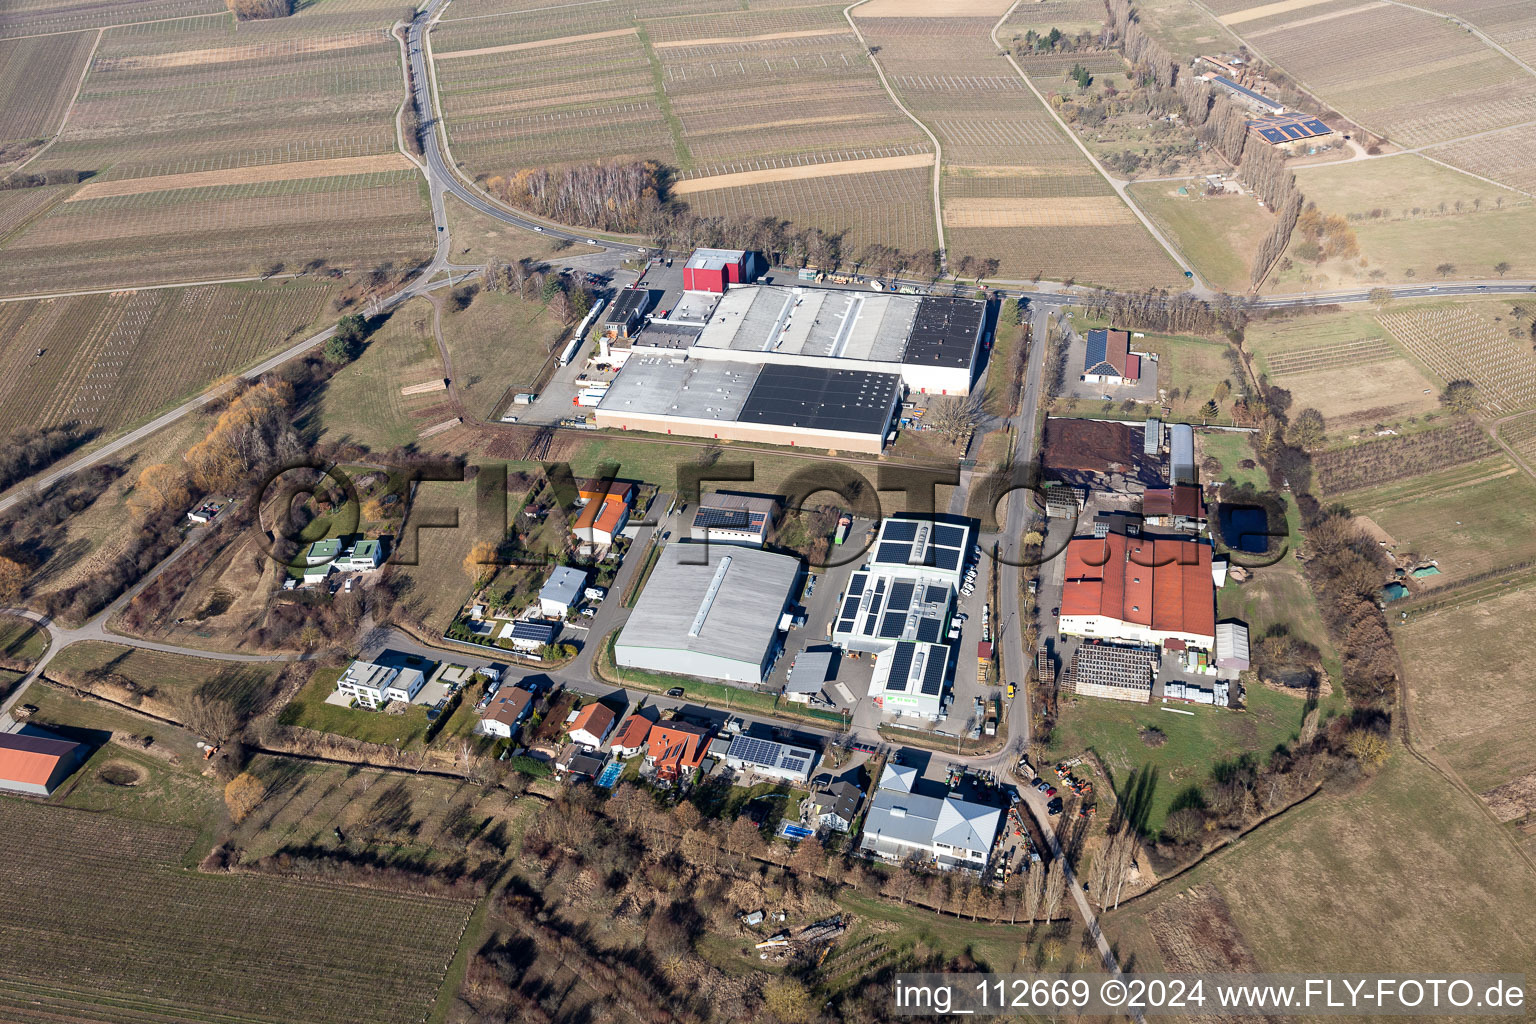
(1359, 352)
(1458, 344)
(1014, 186)
(195, 234)
(1508, 156)
(19, 205)
(158, 943)
(98, 369)
(1048, 14)
(24, 18)
(262, 101)
(1413, 75)
(37, 78)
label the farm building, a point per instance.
(35, 763)
(1181, 454)
(1079, 451)
(909, 679)
(1145, 590)
(1180, 507)
(1246, 96)
(506, 711)
(1109, 359)
(592, 725)
(946, 831)
(809, 673)
(1232, 644)
(727, 399)
(373, 684)
(932, 342)
(711, 270)
(710, 611)
(1152, 437)
(1289, 130)
(727, 518)
(770, 760)
(1114, 672)
(562, 591)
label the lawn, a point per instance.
(1472, 694)
(1219, 235)
(1277, 595)
(103, 886)
(479, 239)
(1403, 873)
(1195, 743)
(363, 404)
(499, 342)
(309, 710)
(21, 639)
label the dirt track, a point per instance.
(884, 163)
(536, 44)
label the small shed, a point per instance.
(808, 675)
(1232, 645)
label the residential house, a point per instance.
(1109, 359)
(530, 634)
(373, 685)
(562, 592)
(605, 508)
(837, 806)
(592, 725)
(769, 760)
(675, 749)
(631, 739)
(364, 556)
(322, 551)
(506, 712)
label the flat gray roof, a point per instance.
(712, 599)
(668, 385)
(812, 322)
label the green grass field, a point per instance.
(21, 639)
(362, 403)
(309, 710)
(1402, 871)
(165, 677)
(499, 343)
(1219, 235)
(1195, 743)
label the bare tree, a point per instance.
(956, 417)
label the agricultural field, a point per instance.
(40, 17)
(108, 361)
(1461, 342)
(1408, 74)
(363, 405)
(1520, 434)
(163, 679)
(1409, 217)
(1346, 367)
(1481, 714)
(1403, 869)
(1472, 519)
(37, 78)
(103, 886)
(1219, 235)
(1071, 16)
(1397, 461)
(21, 639)
(499, 343)
(1015, 188)
(19, 205)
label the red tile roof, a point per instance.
(1161, 583)
(634, 733)
(595, 718)
(676, 748)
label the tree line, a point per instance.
(22, 179)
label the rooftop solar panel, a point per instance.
(815, 398)
(894, 554)
(900, 529)
(945, 332)
(794, 764)
(933, 672)
(946, 558)
(850, 606)
(1293, 131)
(856, 584)
(1272, 134)
(901, 665)
(892, 625)
(901, 595)
(949, 536)
(937, 595)
(722, 518)
(928, 630)
(871, 622)
(1317, 126)
(880, 585)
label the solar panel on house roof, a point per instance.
(901, 595)
(892, 625)
(755, 750)
(895, 554)
(933, 672)
(901, 665)
(900, 529)
(722, 518)
(928, 630)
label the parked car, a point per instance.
(676, 691)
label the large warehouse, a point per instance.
(734, 400)
(711, 611)
(1146, 590)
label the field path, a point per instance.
(938, 149)
(803, 171)
(69, 109)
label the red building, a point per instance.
(710, 270)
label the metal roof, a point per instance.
(564, 586)
(813, 398)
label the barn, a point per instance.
(36, 764)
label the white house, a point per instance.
(373, 685)
(506, 712)
(562, 592)
(592, 726)
(364, 556)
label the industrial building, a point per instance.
(909, 679)
(731, 400)
(1181, 507)
(35, 763)
(1181, 454)
(1114, 672)
(770, 760)
(711, 611)
(945, 831)
(1141, 589)
(1108, 359)
(809, 675)
(728, 518)
(1232, 645)
(711, 270)
(627, 312)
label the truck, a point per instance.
(588, 399)
(844, 524)
(524, 398)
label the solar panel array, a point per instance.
(918, 543)
(901, 665)
(723, 518)
(933, 673)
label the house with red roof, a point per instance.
(1141, 589)
(1109, 359)
(604, 512)
(632, 737)
(592, 725)
(674, 749)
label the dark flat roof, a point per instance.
(817, 398)
(945, 331)
(630, 300)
